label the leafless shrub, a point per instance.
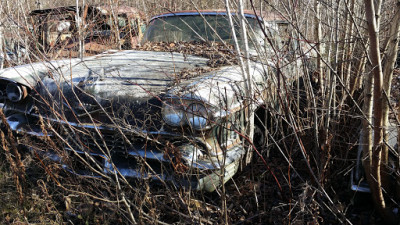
(296, 177)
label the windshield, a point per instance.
(199, 28)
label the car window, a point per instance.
(198, 28)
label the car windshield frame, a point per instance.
(204, 27)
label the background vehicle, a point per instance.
(102, 28)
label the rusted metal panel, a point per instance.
(56, 28)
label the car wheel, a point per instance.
(259, 139)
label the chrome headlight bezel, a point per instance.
(173, 113)
(197, 116)
(177, 112)
(15, 92)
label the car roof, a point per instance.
(103, 9)
(266, 16)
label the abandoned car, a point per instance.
(56, 30)
(161, 112)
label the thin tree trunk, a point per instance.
(79, 23)
(116, 23)
(249, 91)
(2, 52)
(347, 53)
(398, 157)
(374, 172)
(317, 38)
(389, 64)
(244, 65)
(390, 61)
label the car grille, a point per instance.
(104, 142)
(145, 115)
(99, 145)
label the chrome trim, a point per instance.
(110, 128)
(148, 155)
(37, 134)
(207, 181)
(206, 162)
(84, 153)
(190, 156)
(212, 181)
(13, 124)
(126, 172)
(23, 128)
(221, 13)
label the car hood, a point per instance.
(129, 86)
(123, 75)
(153, 70)
(113, 82)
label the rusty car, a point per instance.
(172, 110)
(56, 30)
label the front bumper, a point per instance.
(186, 164)
(206, 182)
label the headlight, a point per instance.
(16, 92)
(197, 116)
(172, 115)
